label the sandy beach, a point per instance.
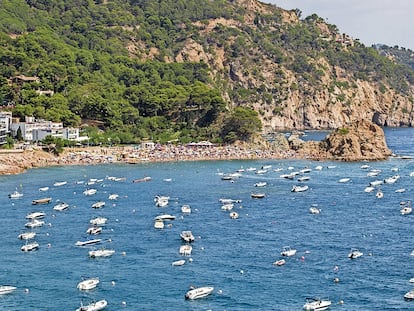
(17, 161)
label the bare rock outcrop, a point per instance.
(358, 141)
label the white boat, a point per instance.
(113, 196)
(406, 210)
(99, 221)
(318, 167)
(303, 178)
(234, 215)
(260, 184)
(392, 179)
(300, 188)
(42, 201)
(88, 242)
(379, 194)
(186, 249)
(199, 292)
(15, 195)
(344, 180)
(90, 191)
(409, 295)
(88, 284)
(159, 224)
(98, 204)
(42, 189)
(227, 207)
(95, 306)
(7, 289)
(30, 247)
(316, 304)
(376, 183)
(187, 236)
(314, 210)
(165, 217)
(355, 253)
(178, 262)
(94, 230)
(369, 189)
(257, 195)
(288, 251)
(26, 235)
(400, 190)
(229, 201)
(59, 183)
(279, 262)
(36, 215)
(35, 223)
(186, 209)
(101, 253)
(60, 206)
(161, 201)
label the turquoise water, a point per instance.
(233, 255)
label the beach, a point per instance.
(17, 161)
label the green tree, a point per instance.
(241, 124)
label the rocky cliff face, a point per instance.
(284, 99)
(358, 141)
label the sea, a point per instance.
(235, 256)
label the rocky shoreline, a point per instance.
(359, 141)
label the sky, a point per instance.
(388, 22)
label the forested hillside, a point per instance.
(190, 69)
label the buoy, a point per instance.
(219, 292)
(113, 283)
(336, 280)
(241, 271)
(190, 260)
(26, 290)
(341, 302)
(123, 253)
(124, 303)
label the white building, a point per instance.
(5, 124)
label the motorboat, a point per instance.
(279, 262)
(376, 183)
(94, 230)
(98, 204)
(178, 262)
(316, 304)
(144, 179)
(161, 201)
(409, 295)
(186, 209)
(35, 215)
(27, 235)
(186, 249)
(99, 221)
(297, 188)
(95, 306)
(303, 178)
(60, 206)
(90, 191)
(227, 207)
(257, 195)
(113, 196)
(229, 201)
(42, 201)
(314, 210)
(406, 210)
(7, 289)
(199, 292)
(369, 189)
(88, 242)
(159, 224)
(234, 215)
(60, 183)
(101, 253)
(15, 194)
(88, 284)
(165, 217)
(379, 194)
(355, 253)
(28, 247)
(42, 189)
(187, 236)
(260, 184)
(35, 223)
(288, 251)
(344, 180)
(392, 179)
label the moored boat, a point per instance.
(42, 201)
(15, 195)
(288, 251)
(101, 253)
(88, 242)
(30, 247)
(95, 306)
(199, 292)
(26, 235)
(7, 289)
(178, 262)
(88, 284)
(316, 304)
(187, 236)
(60, 206)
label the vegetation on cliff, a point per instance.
(177, 70)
